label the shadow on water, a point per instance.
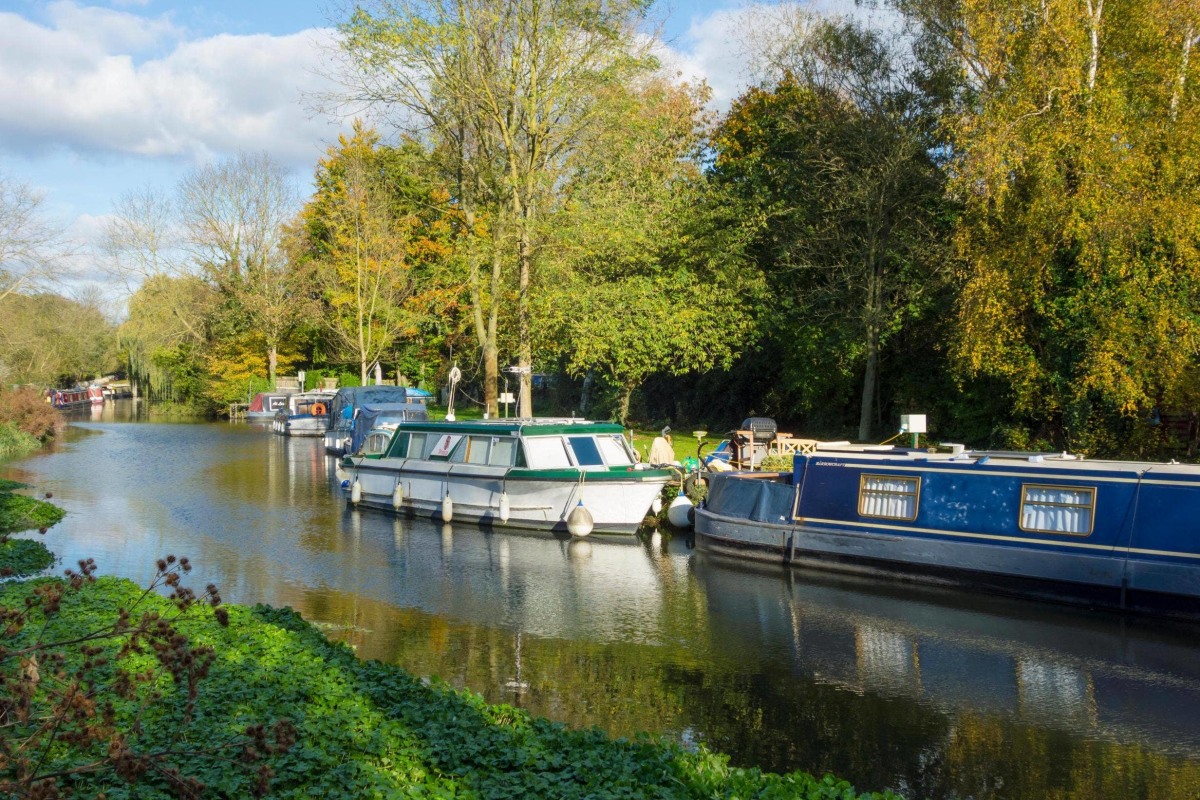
(932, 693)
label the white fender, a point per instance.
(398, 496)
(505, 507)
(579, 521)
(680, 512)
(356, 492)
(447, 508)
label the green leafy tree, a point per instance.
(630, 293)
(505, 90)
(837, 159)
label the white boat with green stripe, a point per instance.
(554, 474)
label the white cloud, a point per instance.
(76, 85)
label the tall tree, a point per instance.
(505, 89)
(33, 248)
(233, 215)
(372, 227)
(630, 293)
(1076, 160)
(838, 157)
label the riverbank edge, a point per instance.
(362, 728)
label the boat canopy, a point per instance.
(376, 415)
(354, 397)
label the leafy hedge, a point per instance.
(362, 729)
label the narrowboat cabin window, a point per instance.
(888, 497)
(587, 454)
(1057, 509)
(546, 452)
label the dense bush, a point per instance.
(26, 409)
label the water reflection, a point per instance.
(935, 694)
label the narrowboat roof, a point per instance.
(1050, 463)
(536, 426)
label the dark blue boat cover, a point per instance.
(755, 498)
(375, 414)
(353, 397)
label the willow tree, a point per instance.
(505, 90)
(1077, 156)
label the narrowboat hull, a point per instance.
(1129, 535)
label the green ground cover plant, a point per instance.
(322, 723)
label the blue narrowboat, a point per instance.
(1116, 533)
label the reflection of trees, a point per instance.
(774, 716)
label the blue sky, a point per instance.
(102, 97)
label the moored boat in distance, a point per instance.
(305, 414)
(545, 474)
(1116, 533)
(76, 397)
(265, 405)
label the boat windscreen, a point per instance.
(587, 454)
(546, 452)
(613, 449)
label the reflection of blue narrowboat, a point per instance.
(1113, 532)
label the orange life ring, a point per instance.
(317, 409)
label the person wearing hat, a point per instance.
(661, 451)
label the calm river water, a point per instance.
(934, 694)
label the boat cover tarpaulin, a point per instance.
(376, 414)
(358, 396)
(759, 499)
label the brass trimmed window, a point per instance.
(1068, 510)
(888, 496)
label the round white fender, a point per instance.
(579, 521)
(447, 508)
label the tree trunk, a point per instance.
(623, 403)
(272, 364)
(871, 315)
(524, 345)
(585, 394)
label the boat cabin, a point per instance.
(539, 445)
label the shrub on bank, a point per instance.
(26, 410)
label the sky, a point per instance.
(102, 98)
